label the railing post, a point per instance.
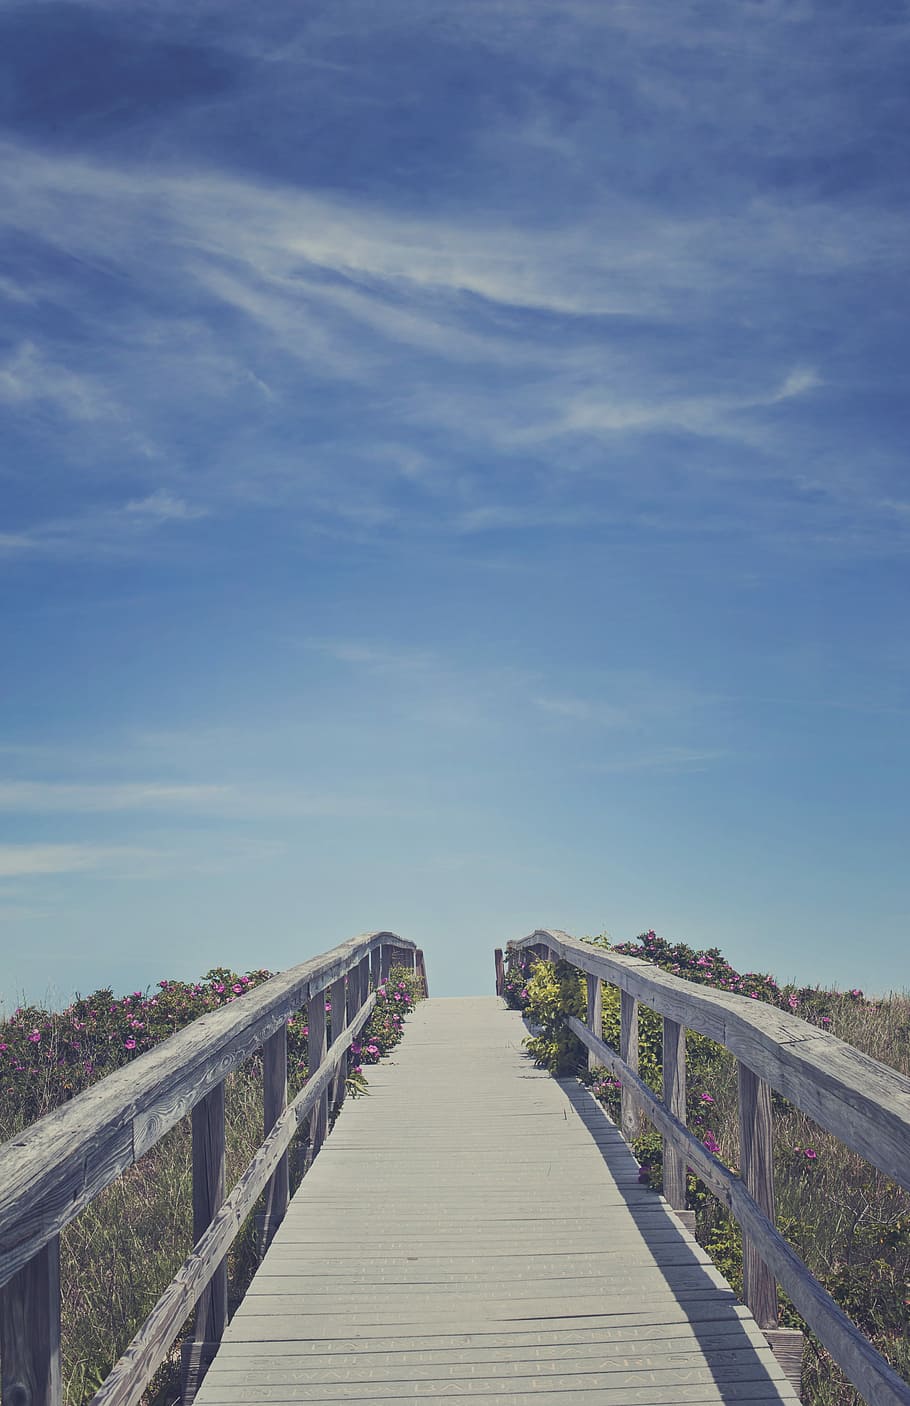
(420, 967)
(207, 1121)
(274, 1102)
(316, 1047)
(757, 1170)
(375, 960)
(30, 1331)
(595, 1014)
(337, 999)
(630, 1117)
(500, 971)
(385, 961)
(674, 1095)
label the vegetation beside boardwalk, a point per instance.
(124, 1249)
(847, 1221)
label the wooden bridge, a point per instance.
(471, 1228)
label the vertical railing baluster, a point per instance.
(500, 971)
(757, 1170)
(30, 1331)
(420, 967)
(385, 961)
(316, 1047)
(207, 1120)
(674, 1096)
(629, 1117)
(337, 998)
(595, 1015)
(274, 1102)
(375, 974)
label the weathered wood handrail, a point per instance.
(52, 1170)
(864, 1103)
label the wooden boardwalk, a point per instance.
(476, 1228)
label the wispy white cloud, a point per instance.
(377, 657)
(103, 531)
(584, 710)
(27, 861)
(27, 375)
(46, 796)
(662, 759)
(162, 506)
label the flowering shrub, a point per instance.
(47, 1057)
(384, 1028)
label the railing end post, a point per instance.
(30, 1331)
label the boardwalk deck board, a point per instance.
(475, 1228)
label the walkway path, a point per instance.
(476, 1228)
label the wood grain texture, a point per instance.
(316, 1047)
(274, 1102)
(208, 1197)
(876, 1382)
(500, 971)
(338, 1020)
(52, 1170)
(135, 1369)
(594, 1012)
(30, 1332)
(630, 1115)
(674, 1092)
(756, 1159)
(420, 966)
(863, 1102)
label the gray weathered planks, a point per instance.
(475, 1228)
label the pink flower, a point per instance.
(237, 989)
(811, 1154)
(129, 1044)
(792, 1001)
(711, 1143)
(35, 1037)
(706, 1098)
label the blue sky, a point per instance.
(454, 478)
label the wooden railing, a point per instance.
(863, 1103)
(50, 1172)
